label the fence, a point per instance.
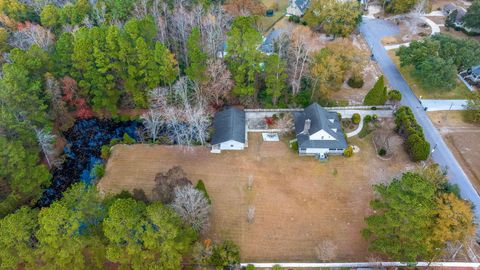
(382, 107)
(366, 264)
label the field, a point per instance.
(299, 202)
(462, 139)
(459, 92)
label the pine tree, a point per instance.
(275, 77)
(196, 57)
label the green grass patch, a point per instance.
(459, 92)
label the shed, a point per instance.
(229, 130)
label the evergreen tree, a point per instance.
(62, 55)
(377, 95)
(242, 55)
(196, 57)
(472, 17)
(275, 77)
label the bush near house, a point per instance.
(201, 187)
(378, 94)
(348, 152)
(355, 81)
(394, 95)
(416, 145)
(356, 118)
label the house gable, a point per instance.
(322, 135)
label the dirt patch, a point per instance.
(298, 201)
(462, 139)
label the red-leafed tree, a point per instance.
(77, 103)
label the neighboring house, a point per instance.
(297, 7)
(448, 8)
(473, 74)
(268, 45)
(319, 132)
(229, 130)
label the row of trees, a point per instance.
(84, 231)
(415, 143)
(418, 216)
(437, 59)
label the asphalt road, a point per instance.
(373, 30)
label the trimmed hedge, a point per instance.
(356, 118)
(415, 143)
(377, 95)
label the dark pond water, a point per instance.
(82, 153)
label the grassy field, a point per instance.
(299, 202)
(265, 22)
(459, 92)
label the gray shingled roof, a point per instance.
(268, 44)
(229, 124)
(476, 70)
(302, 4)
(320, 119)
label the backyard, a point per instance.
(459, 92)
(299, 202)
(279, 7)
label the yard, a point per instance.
(279, 7)
(462, 139)
(459, 92)
(299, 202)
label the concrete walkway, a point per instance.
(444, 105)
(356, 131)
(362, 113)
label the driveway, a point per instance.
(373, 30)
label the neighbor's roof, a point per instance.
(449, 7)
(269, 42)
(229, 124)
(460, 14)
(302, 4)
(476, 70)
(320, 119)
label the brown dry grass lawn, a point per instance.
(298, 201)
(462, 138)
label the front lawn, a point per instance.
(459, 92)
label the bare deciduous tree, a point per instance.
(45, 141)
(250, 213)
(219, 84)
(192, 206)
(185, 113)
(326, 250)
(30, 34)
(250, 182)
(214, 27)
(152, 122)
(299, 54)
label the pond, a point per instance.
(82, 152)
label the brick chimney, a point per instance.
(306, 128)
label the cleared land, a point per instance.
(462, 139)
(279, 7)
(299, 202)
(459, 92)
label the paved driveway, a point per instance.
(373, 30)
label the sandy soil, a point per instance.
(298, 201)
(462, 139)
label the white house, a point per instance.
(297, 7)
(229, 130)
(319, 132)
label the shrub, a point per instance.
(374, 117)
(355, 81)
(201, 187)
(127, 139)
(98, 170)
(356, 118)
(250, 267)
(225, 254)
(367, 119)
(382, 152)
(294, 19)
(377, 95)
(348, 152)
(294, 146)
(105, 152)
(115, 142)
(276, 267)
(339, 116)
(394, 95)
